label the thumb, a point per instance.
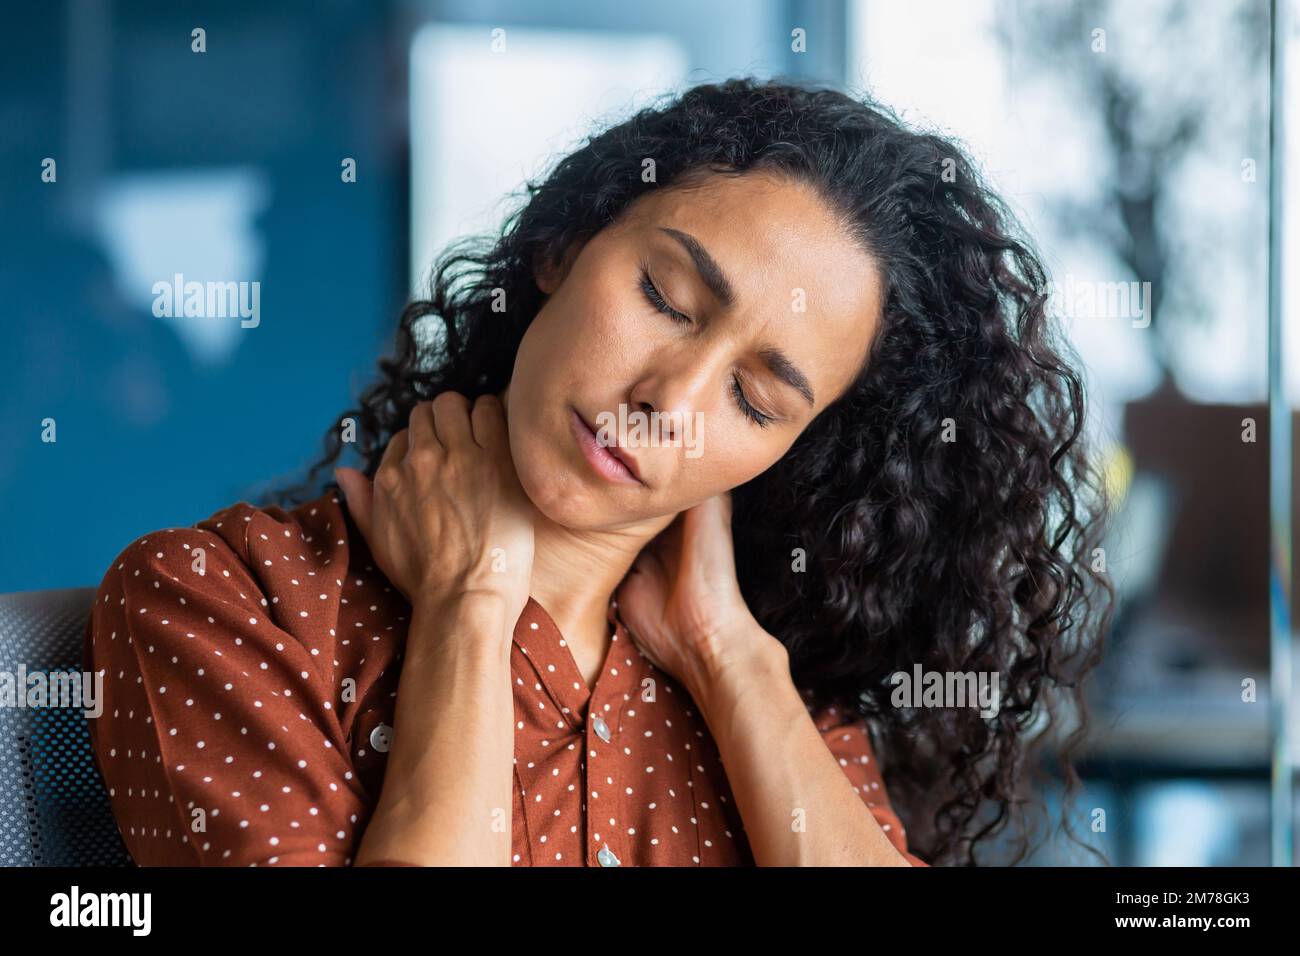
(358, 495)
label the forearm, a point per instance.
(446, 798)
(798, 807)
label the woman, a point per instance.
(535, 632)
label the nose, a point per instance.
(674, 395)
(667, 423)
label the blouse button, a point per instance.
(606, 857)
(381, 738)
(601, 728)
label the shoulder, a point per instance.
(244, 586)
(221, 698)
(241, 555)
(266, 541)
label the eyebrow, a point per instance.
(716, 280)
(787, 371)
(706, 265)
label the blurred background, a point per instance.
(328, 150)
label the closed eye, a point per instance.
(657, 300)
(652, 295)
(748, 410)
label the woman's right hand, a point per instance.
(445, 516)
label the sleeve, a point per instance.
(849, 741)
(217, 741)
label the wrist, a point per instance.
(728, 666)
(483, 619)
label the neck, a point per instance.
(576, 572)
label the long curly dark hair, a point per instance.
(946, 508)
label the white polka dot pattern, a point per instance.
(251, 665)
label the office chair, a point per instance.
(54, 809)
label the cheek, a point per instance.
(730, 456)
(540, 390)
(604, 313)
(589, 333)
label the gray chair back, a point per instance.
(54, 809)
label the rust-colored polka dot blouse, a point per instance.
(251, 668)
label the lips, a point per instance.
(623, 455)
(609, 461)
(628, 461)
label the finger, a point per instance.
(643, 647)
(394, 453)
(358, 496)
(704, 518)
(724, 504)
(669, 540)
(651, 562)
(451, 419)
(420, 431)
(488, 422)
(670, 547)
(710, 507)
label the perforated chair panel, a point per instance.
(54, 809)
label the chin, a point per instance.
(561, 488)
(563, 498)
(557, 493)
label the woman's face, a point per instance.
(773, 310)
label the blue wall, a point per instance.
(162, 422)
(152, 429)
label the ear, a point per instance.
(548, 275)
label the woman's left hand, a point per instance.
(681, 600)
